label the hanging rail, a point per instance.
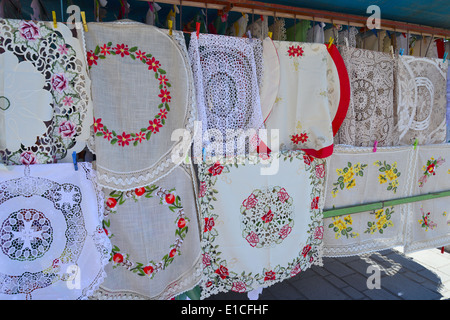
(283, 11)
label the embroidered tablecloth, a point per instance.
(143, 92)
(312, 96)
(52, 242)
(155, 236)
(421, 100)
(45, 99)
(370, 115)
(227, 75)
(260, 227)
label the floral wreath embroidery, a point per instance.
(382, 221)
(167, 197)
(347, 177)
(426, 222)
(123, 139)
(430, 169)
(217, 269)
(342, 227)
(266, 217)
(388, 173)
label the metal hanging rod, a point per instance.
(283, 11)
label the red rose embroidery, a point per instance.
(139, 191)
(181, 223)
(67, 129)
(148, 270)
(320, 171)
(318, 233)
(238, 287)
(202, 189)
(308, 159)
(267, 217)
(269, 275)
(29, 30)
(283, 196)
(222, 272)
(118, 258)
(285, 231)
(111, 202)
(305, 250)
(206, 260)
(27, 158)
(59, 82)
(296, 270)
(250, 202)
(172, 253)
(430, 168)
(252, 239)
(170, 198)
(216, 169)
(209, 224)
(315, 203)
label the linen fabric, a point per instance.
(45, 98)
(143, 92)
(155, 236)
(52, 242)
(312, 77)
(259, 227)
(420, 105)
(370, 116)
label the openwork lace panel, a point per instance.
(227, 75)
(45, 99)
(52, 242)
(257, 230)
(154, 232)
(144, 102)
(370, 114)
(421, 100)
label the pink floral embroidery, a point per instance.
(320, 171)
(239, 287)
(59, 82)
(267, 217)
(29, 30)
(305, 250)
(63, 49)
(206, 260)
(318, 233)
(308, 159)
(28, 157)
(67, 101)
(216, 169)
(222, 272)
(296, 270)
(67, 129)
(315, 203)
(285, 231)
(283, 196)
(209, 224)
(202, 189)
(270, 275)
(252, 238)
(250, 202)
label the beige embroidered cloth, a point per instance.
(155, 237)
(370, 114)
(143, 92)
(421, 100)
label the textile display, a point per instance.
(154, 232)
(370, 114)
(359, 176)
(429, 222)
(421, 100)
(258, 229)
(51, 237)
(45, 99)
(448, 105)
(227, 76)
(143, 92)
(312, 77)
(259, 28)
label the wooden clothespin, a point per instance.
(391, 49)
(83, 18)
(375, 144)
(74, 159)
(197, 27)
(170, 23)
(55, 23)
(270, 34)
(330, 42)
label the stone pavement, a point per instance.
(424, 275)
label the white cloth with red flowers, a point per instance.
(359, 176)
(311, 97)
(155, 236)
(45, 98)
(259, 227)
(52, 243)
(144, 102)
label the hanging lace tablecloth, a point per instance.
(259, 28)
(260, 227)
(227, 74)
(448, 105)
(155, 236)
(429, 221)
(45, 105)
(52, 242)
(359, 176)
(421, 100)
(370, 114)
(312, 77)
(143, 92)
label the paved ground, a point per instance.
(423, 275)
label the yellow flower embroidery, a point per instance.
(347, 177)
(342, 227)
(388, 173)
(382, 221)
